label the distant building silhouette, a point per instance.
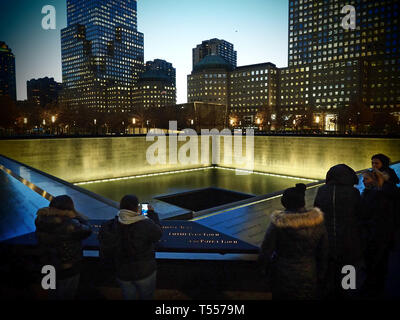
(218, 47)
(43, 91)
(7, 72)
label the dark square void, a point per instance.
(198, 200)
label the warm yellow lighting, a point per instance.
(134, 121)
(53, 119)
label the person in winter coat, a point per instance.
(377, 221)
(135, 263)
(340, 202)
(381, 163)
(60, 230)
(295, 248)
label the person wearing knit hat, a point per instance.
(293, 198)
(295, 249)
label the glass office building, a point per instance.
(102, 54)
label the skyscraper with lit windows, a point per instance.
(102, 54)
(331, 68)
(7, 72)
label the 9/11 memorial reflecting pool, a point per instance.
(147, 188)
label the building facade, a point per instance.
(155, 89)
(43, 91)
(248, 92)
(165, 67)
(252, 93)
(332, 68)
(218, 47)
(7, 72)
(102, 54)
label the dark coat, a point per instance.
(295, 250)
(340, 202)
(377, 222)
(60, 234)
(135, 256)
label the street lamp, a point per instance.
(133, 120)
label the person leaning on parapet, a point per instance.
(377, 221)
(340, 202)
(295, 249)
(134, 256)
(60, 230)
(381, 163)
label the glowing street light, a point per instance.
(317, 119)
(133, 120)
(53, 119)
(25, 120)
(95, 121)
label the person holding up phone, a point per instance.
(139, 230)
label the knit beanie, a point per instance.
(293, 198)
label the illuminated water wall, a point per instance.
(86, 159)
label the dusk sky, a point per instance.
(172, 28)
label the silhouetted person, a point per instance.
(377, 221)
(381, 163)
(340, 202)
(60, 230)
(295, 248)
(135, 263)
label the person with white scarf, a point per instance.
(135, 263)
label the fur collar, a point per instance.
(56, 212)
(307, 219)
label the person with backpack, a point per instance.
(60, 230)
(131, 238)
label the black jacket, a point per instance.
(377, 221)
(340, 202)
(295, 249)
(135, 256)
(60, 234)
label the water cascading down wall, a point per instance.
(87, 159)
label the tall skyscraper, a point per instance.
(332, 68)
(102, 54)
(7, 72)
(218, 47)
(43, 91)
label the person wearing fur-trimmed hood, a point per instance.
(295, 249)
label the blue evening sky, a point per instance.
(172, 28)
